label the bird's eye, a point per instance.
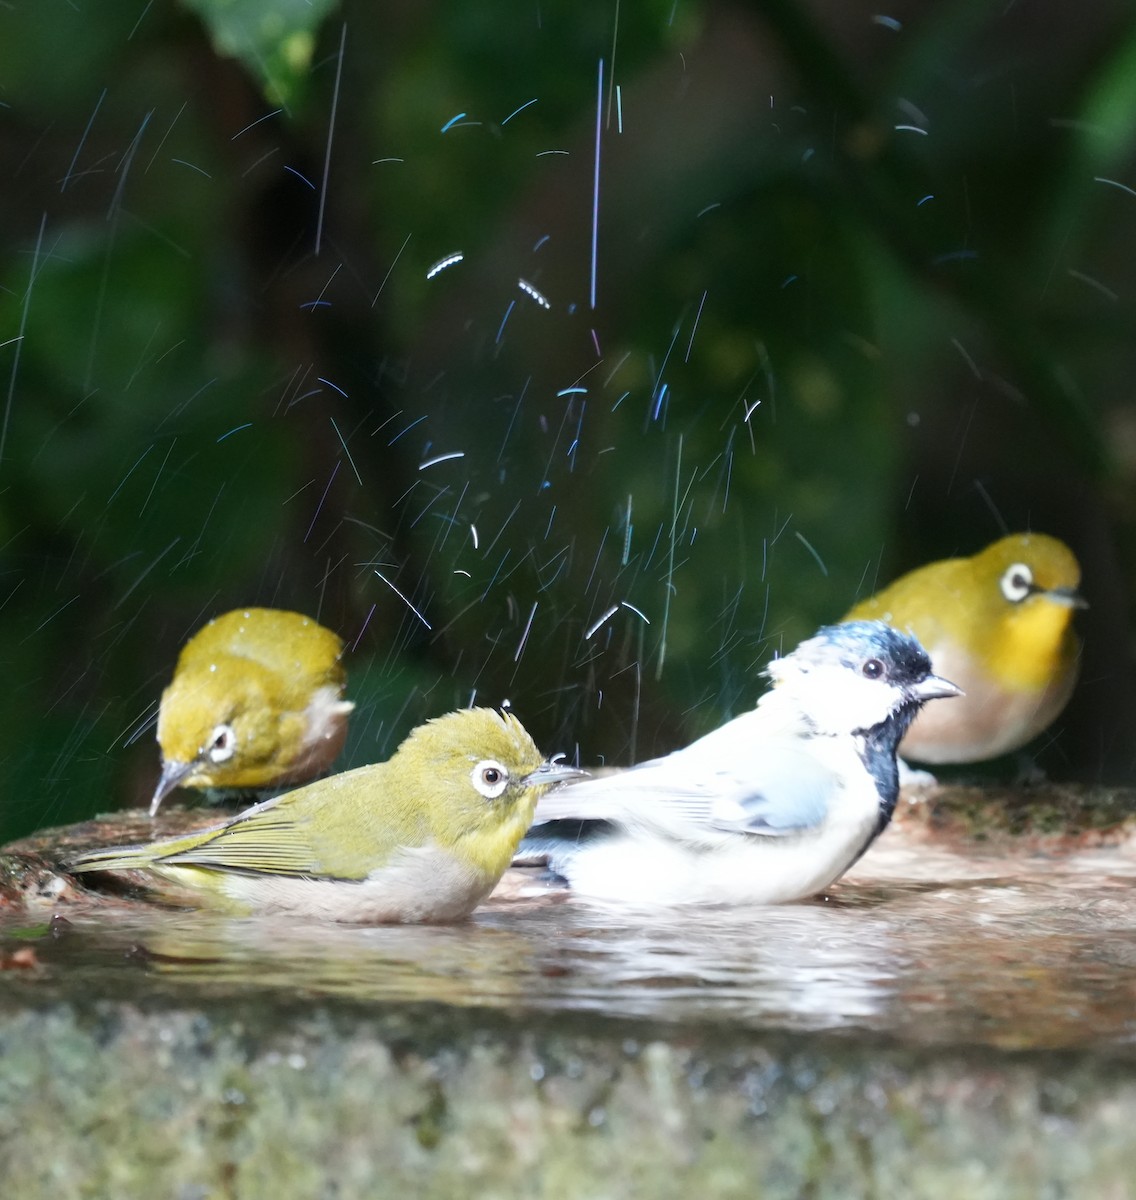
(1017, 583)
(873, 669)
(490, 778)
(222, 744)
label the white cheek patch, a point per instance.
(326, 714)
(838, 699)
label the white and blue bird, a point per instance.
(773, 806)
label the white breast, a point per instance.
(651, 869)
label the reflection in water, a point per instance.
(810, 966)
(985, 953)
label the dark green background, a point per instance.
(829, 348)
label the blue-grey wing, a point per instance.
(781, 789)
(789, 792)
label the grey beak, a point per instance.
(172, 775)
(552, 772)
(1066, 596)
(934, 687)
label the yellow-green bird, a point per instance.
(256, 702)
(423, 837)
(1000, 625)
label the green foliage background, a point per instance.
(864, 293)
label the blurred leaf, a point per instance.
(273, 38)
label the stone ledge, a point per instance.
(107, 1098)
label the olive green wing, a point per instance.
(266, 845)
(337, 828)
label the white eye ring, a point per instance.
(490, 778)
(1016, 583)
(222, 744)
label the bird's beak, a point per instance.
(552, 772)
(1067, 596)
(172, 775)
(934, 687)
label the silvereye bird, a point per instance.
(773, 806)
(1000, 625)
(423, 837)
(256, 702)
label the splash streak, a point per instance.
(169, 130)
(596, 184)
(614, 44)
(729, 471)
(48, 619)
(606, 616)
(812, 550)
(320, 300)
(138, 727)
(452, 520)
(319, 506)
(149, 5)
(252, 124)
(9, 596)
(1114, 183)
(576, 440)
(525, 635)
(504, 320)
(659, 389)
(517, 110)
(343, 443)
(443, 263)
(153, 486)
(19, 338)
(82, 140)
(634, 744)
(124, 166)
(529, 290)
(390, 269)
(363, 630)
(404, 599)
(670, 564)
(330, 135)
(122, 481)
(441, 458)
(697, 316)
(137, 583)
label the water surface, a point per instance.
(918, 944)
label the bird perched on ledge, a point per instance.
(1000, 624)
(256, 702)
(423, 837)
(773, 806)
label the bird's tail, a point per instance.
(549, 843)
(114, 858)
